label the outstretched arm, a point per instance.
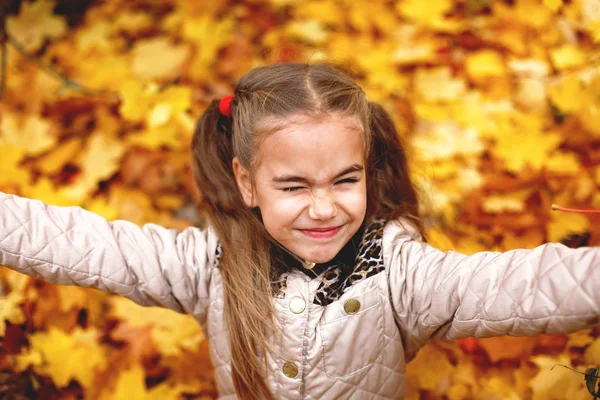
(550, 289)
(151, 265)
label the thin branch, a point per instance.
(51, 70)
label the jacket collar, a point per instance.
(360, 258)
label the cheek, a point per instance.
(355, 201)
(279, 209)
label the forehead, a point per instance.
(315, 148)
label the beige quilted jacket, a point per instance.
(353, 348)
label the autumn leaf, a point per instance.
(445, 140)
(30, 133)
(10, 170)
(563, 224)
(172, 333)
(64, 356)
(438, 85)
(557, 383)
(132, 382)
(147, 66)
(35, 24)
(209, 35)
(485, 64)
(567, 56)
(424, 12)
(9, 303)
(536, 147)
(422, 375)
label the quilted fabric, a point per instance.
(421, 293)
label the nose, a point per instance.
(322, 207)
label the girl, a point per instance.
(314, 280)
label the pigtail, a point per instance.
(245, 261)
(391, 192)
(212, 153)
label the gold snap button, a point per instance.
(351, 306)
(297, 304)
(290, 370)
(309, 265)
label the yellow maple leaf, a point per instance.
(437, 84)
(131, 385)
(557, 383)
(553, 5)
(29, 133)
(45, 191)
(567, 95)
(310, 31)
(209, 36)
(382, 76)
(507, 347)
(101, 157)
(444, 140)
(136, 100)
(366, 15)
(64, 356)
(10, 170)
(157, 137)
(158, 58)
(562, 163)
(100, 205)
(10, 309)
(420, 373)
(593, 30)
(564, 224)
(521, 12)
(36, 23)
(95, 37)
(592, 353)
(106, 70)
(580, 339)
(485, 64)
(440, 240)
(468, 179)
(55, 160)
(172, 333)
(590, 111)
(496, 204)
(424, 12)
(567, 56)
(535, 146)
(168, 103)
(412, 46)
(328, 12)
(132, 22)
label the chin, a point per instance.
(320, 256)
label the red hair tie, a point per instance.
(225, 106)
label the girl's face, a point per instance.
(310, 184)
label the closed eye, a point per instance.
(347, 180)
(292, 189)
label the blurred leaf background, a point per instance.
(499, 102)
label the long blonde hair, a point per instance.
(279, 91)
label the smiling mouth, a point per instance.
(321, 233)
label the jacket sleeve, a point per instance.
(551, 289)
(150, 265)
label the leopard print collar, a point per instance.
(338, 276)
(368, 262)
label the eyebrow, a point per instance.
(296, 178)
